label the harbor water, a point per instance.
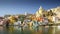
(30, 30)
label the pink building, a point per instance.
(1, 20)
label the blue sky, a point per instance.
(21, 6)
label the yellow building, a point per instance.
(12, 19)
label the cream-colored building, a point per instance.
(56, 11)
(39, 12)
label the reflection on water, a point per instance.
(30, 30)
